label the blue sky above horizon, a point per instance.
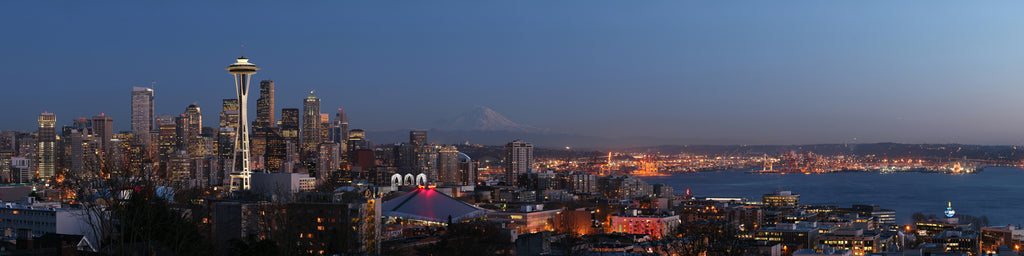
(748, 72)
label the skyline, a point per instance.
(711, 72)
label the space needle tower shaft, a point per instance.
(242, 70)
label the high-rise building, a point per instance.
(328, 160)
(339, 130)
(423, 155)
(167, 142)
(290, 125)
(193, 129)
(47, 139)
(180, 166)
(142, 110)
(468, 173)
(357, 140)
(325, 127)
(448, 165)
(276, 150)
(265, 107)
(181, 132)
(82, 125)
(103, 127)
(261, 127)
(242, 70)
(518, 159)
(226, 149)
(418, 137)
(229, 113)
(310, 125)
(226, 137)
(21, 169)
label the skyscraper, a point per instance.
(467, 170)
(103, 127)
(448, 165)
(229, 113)
(181, 132)
(328, 161)
(339, 130)
(142, 111)
(290, 125)
(518, 159)
(193, 129)
(357, 140)
(310, 126)
(242, 70)
(264, 123)
(47, 139)
(418, 137)
(325, 127)
(265, 107)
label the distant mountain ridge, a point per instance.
(483, 125)
(481, 118)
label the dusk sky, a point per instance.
(717, 72)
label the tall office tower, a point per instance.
(229, 113)
(418, 137)
(261, 127)
(195, 120)
(226, 149)
(193, 129)
(142, 111)
(467, 170)
(84, 154)
(103, 128)
(328, 160)
(339, 130)
(7, 144)
(181, 132)
(424, 156)
(63, 151)
(163, 119)
(518, 160)
(180, 166)
(357, 140)
(325, 127)
(310, 126)
(226, 137)
(448, 165)
(167, 143)
(265, 107)
(21, 169)
(290, 125)
(277, 150)
(242, 70)
(82, 125)
(47, 139)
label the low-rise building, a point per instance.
(789, 234)
(47, 217)
(527, 219)
(959, 241)
(859, 241)
(656, 225)
(823, 250)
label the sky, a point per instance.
(711, 72)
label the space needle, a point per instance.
(243, 71)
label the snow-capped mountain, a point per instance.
(482, 118)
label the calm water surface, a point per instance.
(996, 192)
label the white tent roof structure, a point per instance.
(430, 205)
